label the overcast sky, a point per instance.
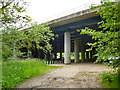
(41, 9)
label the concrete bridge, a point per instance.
(69, 39)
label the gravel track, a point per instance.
(81, 75)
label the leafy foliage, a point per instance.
(16, 71)
(39, 36)
(12, 12)
(10, 17)
(108, 38)
(12, 39)
(11, 42)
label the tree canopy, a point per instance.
(107, 42)
(14, 40)
(12, 12)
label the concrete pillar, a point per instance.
(67, 47)
(91, 55)
(76, 48)
(61, 56)
(82, 53)
(94, 57)
(87, 56)
(55, 54)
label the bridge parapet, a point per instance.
(73, 17)
(70, 14)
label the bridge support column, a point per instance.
(67, 47)
(55, 54)
(87, 56)
(82, 53)
(61, 56)
(91, 57)
(76, 48)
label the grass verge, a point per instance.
(14, 72)
(110, 79)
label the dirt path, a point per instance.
(82, 75)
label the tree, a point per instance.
(39, 36)
(10, 17)
(107, 42)
(11, 42)
(13, 39)
(12, 12)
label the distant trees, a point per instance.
(108, 39)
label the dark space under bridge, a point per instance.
(69, 39)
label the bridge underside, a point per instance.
(69, 40)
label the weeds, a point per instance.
(110, 80)
(16, 71)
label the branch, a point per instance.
(4, 6)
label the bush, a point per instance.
(16, 71)
(110, 80)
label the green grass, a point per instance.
(110, 80)
(14, 72)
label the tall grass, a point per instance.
(110, 79)
(16, 71)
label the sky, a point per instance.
(42, 9)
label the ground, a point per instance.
(81, 75)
